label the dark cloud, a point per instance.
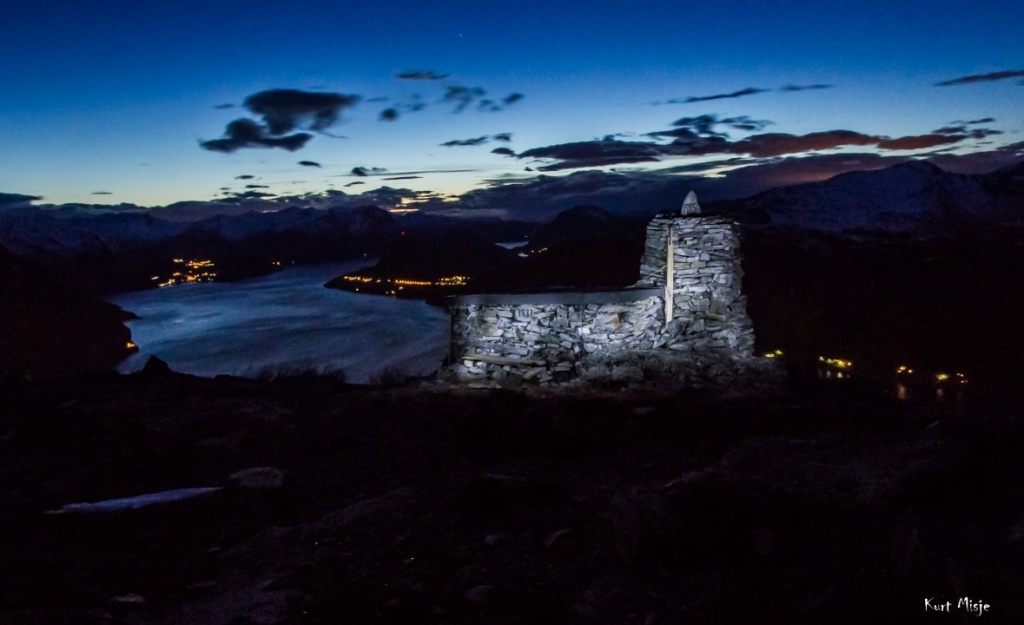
(461, 96)
(464, 97)
(699, 125)
(720, 96)
(503, 151)
(421, 75)
(785, 144)
(594, 154)
(804, 87)
(983, 120)
(286, 110)
(355, 183)
(17, 199)
(705, 126)
(367, 171)
(247, 195)
(745, 123)
(101, 193)
(967, 133)
(257, 186)
(978, 133)
(778, 144)
(283, 111)
(309, 163)
(402, 177)
(930, 140)
(697, 136)
(244, 177)
(415, 104)
(246, 133)
(466, 142)
(221, 107)
(503, 136)
(380, 171)
(966, 80)
(492, 105)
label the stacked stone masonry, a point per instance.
(548, 337)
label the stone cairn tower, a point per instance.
(685, 320)
(695, 260)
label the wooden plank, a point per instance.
(670, 267)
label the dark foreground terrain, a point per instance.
(416, 505)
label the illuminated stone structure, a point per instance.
(687, 306)
(699, 258)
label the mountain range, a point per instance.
(914, 197)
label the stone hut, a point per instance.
(687, 306)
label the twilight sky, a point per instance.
(153, 103)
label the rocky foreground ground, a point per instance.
(424, 505)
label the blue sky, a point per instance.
(116, 97)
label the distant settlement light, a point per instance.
(195, 271)
(404, 282)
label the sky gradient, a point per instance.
(109, 102)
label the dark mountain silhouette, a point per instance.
(914, 197)
(583, 247)
(579, 223)
(50, 327)
(111, 252)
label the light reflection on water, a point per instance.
(927, 393)
(903, 391)
(284, 321)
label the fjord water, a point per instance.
(284, 321)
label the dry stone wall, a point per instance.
(553, 337)
(544, 341)
(709, 310)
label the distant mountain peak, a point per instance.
(918, 165)
(912, 197)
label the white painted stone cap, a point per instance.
(690, 205)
